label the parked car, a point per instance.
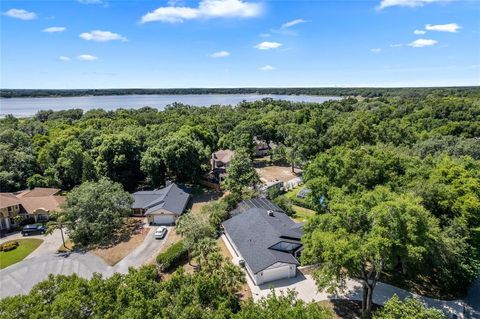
(33, 230)
(160, 232)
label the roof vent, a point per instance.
(271, 213)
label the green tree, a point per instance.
(117, 156)
(240, 172)
(410, 308)
(184, 157)
(153, 165)
(194, 228)
(361, 238)
(283, 306)
(203, 249)
(94, 211)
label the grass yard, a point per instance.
(26, 246)
(302, 214)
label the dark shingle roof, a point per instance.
(171, 198)
(254, 231)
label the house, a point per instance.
(220, 161)
(34, 204)
(265, 239)
(162, 206)
(262, 148)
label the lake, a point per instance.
(29, 106)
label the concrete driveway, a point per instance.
(21, 277)
(144, 252)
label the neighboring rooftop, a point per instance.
(224, 156)
(8, 199)
(33, 200)
(171, 198)
(257, 227)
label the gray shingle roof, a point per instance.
(171, 198)
(253, 232)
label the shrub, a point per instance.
(9, 245)
(285, 204)
(172, 257)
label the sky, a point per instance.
(68, 44)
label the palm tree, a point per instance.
(203, 249)
(58, 222)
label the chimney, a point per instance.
(271, 213)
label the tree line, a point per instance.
(364, 92)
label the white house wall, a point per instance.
(287, 270)
(275, 272)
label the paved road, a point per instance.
(307, 290)
(21, 277)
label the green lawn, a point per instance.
(302, 214)
(26, 246)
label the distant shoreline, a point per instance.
(314, 91)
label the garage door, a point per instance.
(163, 219)
(275, 273)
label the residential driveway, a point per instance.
(21, 277)
(306, 289)
(143, 253)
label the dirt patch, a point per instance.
(345, 309)
(114, 254)
(275, 172)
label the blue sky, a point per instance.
(239, 43)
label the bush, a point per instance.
(9, 245)
(172, 257)
(285, 204)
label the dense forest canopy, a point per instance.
(416, 156)
(364, 92)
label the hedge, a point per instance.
(172, 257)
(9, 245)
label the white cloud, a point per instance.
(64, 58)
(406, 3)
(87, 57)
(206, 9)
(292, 23)
(54, 29)
(376, 50)
(20, 14)
(266, 45)
(449, 27)
(220, 54)
(420, 43)
(418, 32)
(396, 45)
(101, 36)
(267, 68)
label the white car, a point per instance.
(160, 232)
